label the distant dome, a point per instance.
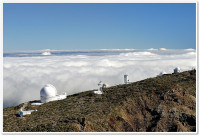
(162, 73)
(48, 91)
(177, 70)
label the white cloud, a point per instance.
(162, 49)
(25, 76)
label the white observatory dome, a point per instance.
(47, 93)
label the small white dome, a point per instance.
(48, 91)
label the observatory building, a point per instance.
(25, 112)
(162, 73)
(49, 93)
(101, 86)
(177, 70)
(126, 81)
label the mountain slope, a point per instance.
(162, 104)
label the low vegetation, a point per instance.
(162, 104)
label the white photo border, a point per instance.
(101, 133)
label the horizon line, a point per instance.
(114, 49)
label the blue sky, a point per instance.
(99, 26)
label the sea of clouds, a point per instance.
(23, 77)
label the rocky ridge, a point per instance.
(165, 103)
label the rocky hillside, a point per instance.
(162, 104)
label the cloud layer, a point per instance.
(25, 76)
